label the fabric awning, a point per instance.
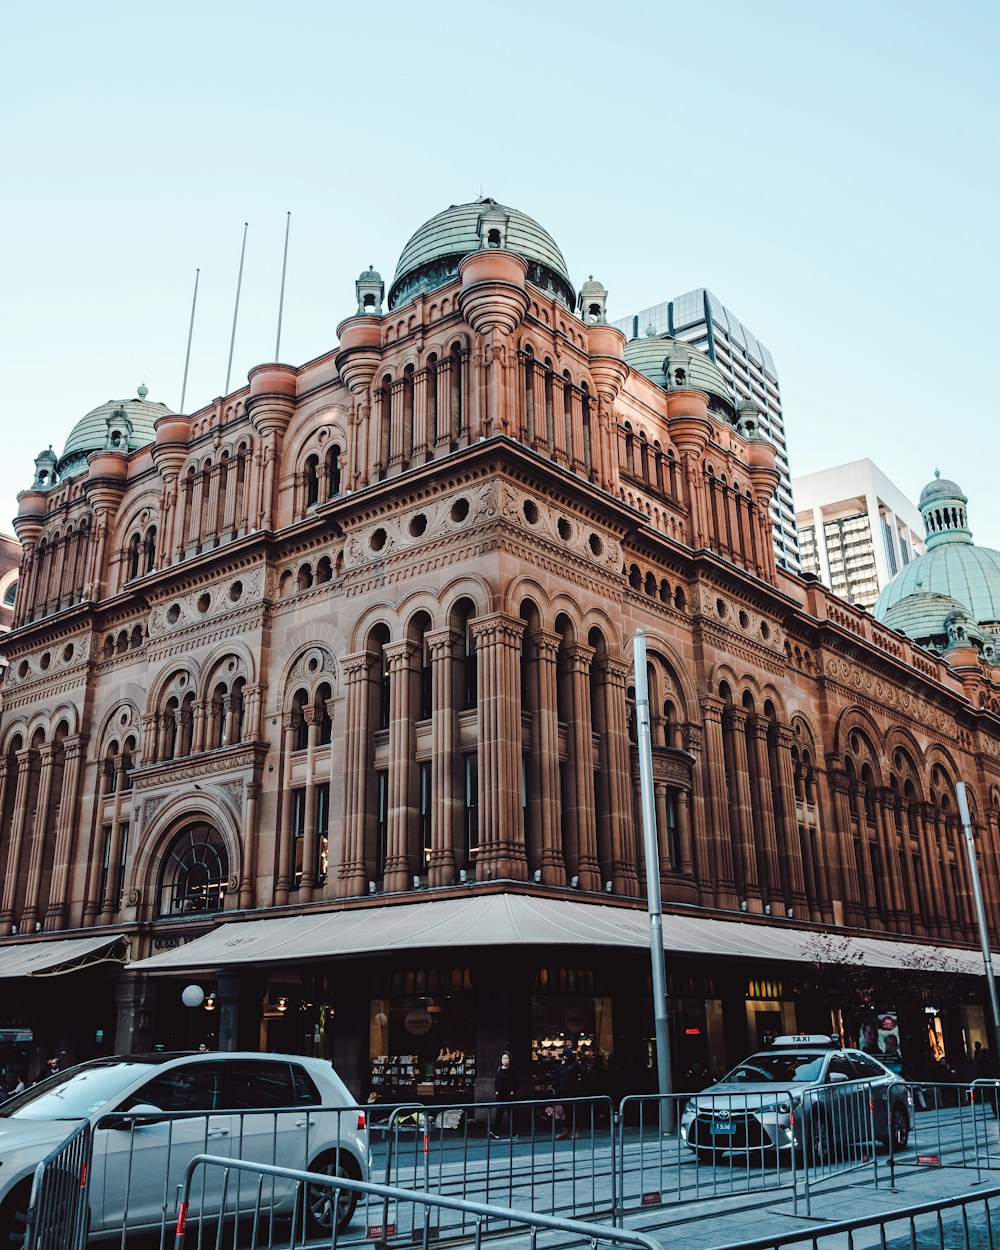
(526, 920)
(61, 955)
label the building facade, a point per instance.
(857, 530)
(702, 320)
(320, 697)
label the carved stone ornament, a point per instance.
(187, 770)
(535, 515)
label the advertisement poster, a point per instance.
(878, 1035)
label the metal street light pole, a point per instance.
(977, 894)
(654, 906)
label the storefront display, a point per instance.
(422, 1036)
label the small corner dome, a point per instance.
(431, 257)
(940, 488)
(653, 355)
(371, 274)
(91, 431)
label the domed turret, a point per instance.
(676, 366)
(954, 588)
(431, 258)
(371, 291)
(131, 420)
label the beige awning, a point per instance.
(59, 955)
(527, 920)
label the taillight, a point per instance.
(362, 1120)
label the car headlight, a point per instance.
(785, 1107)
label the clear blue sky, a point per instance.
(830, 171)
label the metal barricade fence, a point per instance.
(720, 1144)
(56, 1218)
(742, 1143)
(556, 1156)
(479, 1216)
(965, 1222)
(955, 1125)
(137, 1162)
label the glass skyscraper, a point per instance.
(702, 320)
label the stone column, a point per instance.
(248, 880)
(39, 838)
(580, 817)
(683, 800)
(889, 842)
(227, 991)
(789, 848)
(285, 879)
(92, 905)
(443, 647)
(616, 814)
(560, 452)
(73, 748)
(501, 838)
(848, 870)
(744, 852)
(764, 810)
(718, 833)
(135, 997)
(199, 719)
(900, 817)
(399, 863)
(352, 874)
(545, 735)
(312, 717)
(397, 433)
(109, 905)
(867, 875)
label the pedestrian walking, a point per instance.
(505, 1089)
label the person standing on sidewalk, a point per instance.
(567, 1086)
(505, 1088)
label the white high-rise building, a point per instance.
(856, 529)
(702, 320)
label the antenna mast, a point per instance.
(236, 310)
(281, 298)
(187, 356)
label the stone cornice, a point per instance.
(223, 760)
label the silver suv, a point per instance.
(151, 1114)
(805, 1093)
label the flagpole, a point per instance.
(187, 355)
(236, 310)
(281, 298)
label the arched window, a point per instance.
(195, 872)
(455, 398)
(150, 549)
(333, 472)
(385, 424)
(134, 544)
(312, 480)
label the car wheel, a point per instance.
(14, 1219)
(816, 1151)
(899, 1129)
(319, 1202)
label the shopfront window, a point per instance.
(567, 1009)
(422, 1036)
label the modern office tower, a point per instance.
(701, 319)
(856, 529)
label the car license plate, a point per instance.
(723, 1128)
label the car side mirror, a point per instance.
(139, 1116)
(838, 1078)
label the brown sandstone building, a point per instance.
(320, 698)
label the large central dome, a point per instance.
(430, 259)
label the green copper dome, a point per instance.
(91, 432)
(430, 259)
(674, 365)
(952, 573)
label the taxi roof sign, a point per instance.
(830, 1041)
